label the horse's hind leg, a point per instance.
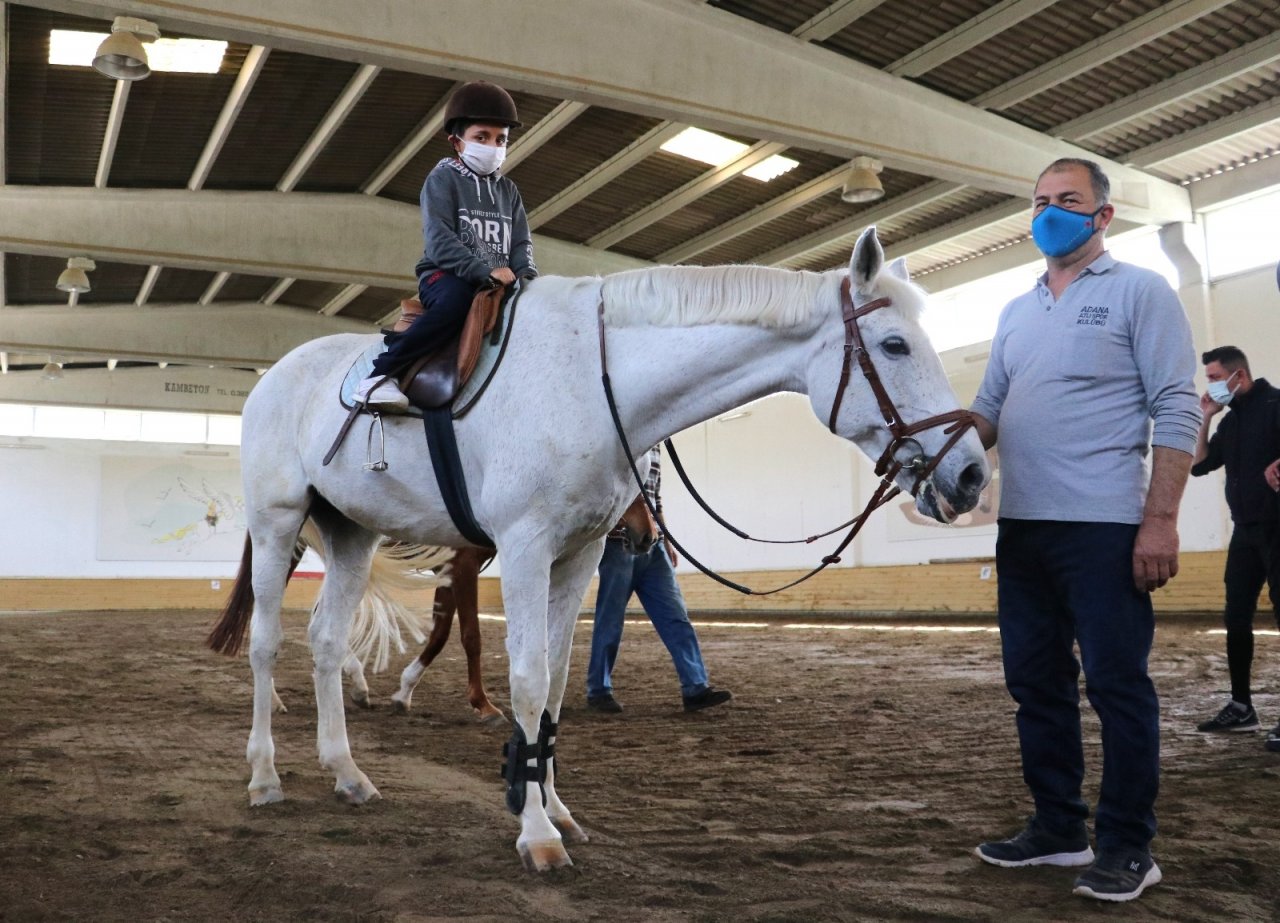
(442, 608)
(350, 554)
(359, 685)
(466, 595)
(273, 545)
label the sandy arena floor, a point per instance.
(849, 780)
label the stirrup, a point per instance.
(381, 463)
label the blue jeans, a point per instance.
(1061, 582)
(650, 577)
(446, 299)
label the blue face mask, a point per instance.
(1058, 231)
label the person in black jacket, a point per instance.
(1246, 442)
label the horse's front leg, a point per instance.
(569, 580)
(525, 590)
(466, 596)
(350, 554)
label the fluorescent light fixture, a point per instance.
(705, 146)
(175, 55)
(717, 150)
(771, 168)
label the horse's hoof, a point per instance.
(398, 707)
(539, 857)
(491, 716)
(569, 829)
(361, 698)
(356, 793)
(263, 796)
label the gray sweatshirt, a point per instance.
(1074, 385)
(473, 224)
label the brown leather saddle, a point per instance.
(435, 379)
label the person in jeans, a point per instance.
(1089, 372)
(1245, 443)
(651, 576)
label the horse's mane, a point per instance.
(685, 296)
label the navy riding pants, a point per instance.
(1072, 582)
(446, 299)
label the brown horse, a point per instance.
(461, 595)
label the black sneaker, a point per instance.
(1233, 718)
(1038, 846)
(1118, 876)
(707, 698)
(605, 702)
(1273, 740)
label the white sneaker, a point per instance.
(380, 392)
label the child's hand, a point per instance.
(503, 275)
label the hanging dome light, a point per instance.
(862, 184)
(73, 278)
(121, 54)
(52, 370)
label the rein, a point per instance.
(888, 466)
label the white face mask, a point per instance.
(482, 158)
(1221, 392)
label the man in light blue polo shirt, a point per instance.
(1087, 370)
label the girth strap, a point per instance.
(442, 443)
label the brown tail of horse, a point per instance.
(228, 634)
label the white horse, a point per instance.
(546, 475)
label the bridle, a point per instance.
(903, 451)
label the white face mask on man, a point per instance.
(1221, 392)
(482, 158)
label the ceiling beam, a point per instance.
(690, 192)
(342, 299)
(347, 238)
(236, 333)
(605, 173)
(969, 34)
(148, 285)
(835, 18)
(215, 286)
(1232, 185)
(885, 211)
(1206, 76)
(332, 121)
(273, 294)
(254, 59)
(190, 390)
(546, 129)
(1160, 21)
(762, 214)
(781, 90)
(976, 222)
(408, 149)
(1210, 133)
(112, 134)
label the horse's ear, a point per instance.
(868, 258)
(898, 268)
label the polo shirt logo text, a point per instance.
(1092, 315)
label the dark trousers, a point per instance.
(1061, 582)
(1253, 558)
(446, 299)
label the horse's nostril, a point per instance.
(971, 477)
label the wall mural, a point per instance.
(170, 510)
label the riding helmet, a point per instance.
(481, 101)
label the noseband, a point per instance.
(903, 451)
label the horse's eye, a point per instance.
(896, 346)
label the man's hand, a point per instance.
(504, 275)
(1208, 406)
(671, 552)
(1272, 474)
(1155, 553)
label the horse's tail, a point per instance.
(381, 620)
(227, 635)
